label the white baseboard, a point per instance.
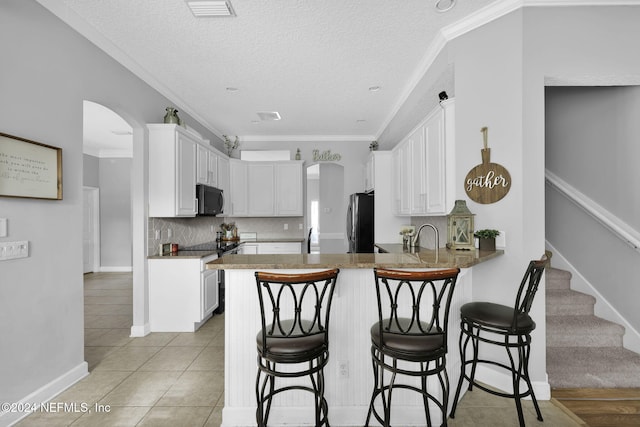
(603, 308)
(140, 330)
(45, 393)
(122, 269)
(340, 416)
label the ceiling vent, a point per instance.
(266, 116)
(211, 8)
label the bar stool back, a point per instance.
(412, 330)
(295, 312)
(508, 327)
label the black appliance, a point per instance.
(210, 200)
(360, 223)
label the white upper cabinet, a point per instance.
(266, 189)
(172, 171)
(288, 189)
(261, 187)
(238, 188)
(223, 182)
(207, 169)
(423, 166)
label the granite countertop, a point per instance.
(184, 255)
(425, 258)
(274, 240)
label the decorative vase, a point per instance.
(487, 244)
(298, 154)
(172, 116)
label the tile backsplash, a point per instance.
(202, 229)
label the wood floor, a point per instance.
(602, 407)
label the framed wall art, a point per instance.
(29, 169)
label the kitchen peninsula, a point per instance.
(348, 374)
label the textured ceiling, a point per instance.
(312, 61)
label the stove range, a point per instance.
(223, 248)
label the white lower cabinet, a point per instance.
(270, 248)
(182, 293)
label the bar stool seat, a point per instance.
(299, 347)
(414, 346)
(497, 316)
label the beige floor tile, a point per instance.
(141, 388)
(108, 293)
(91, 334)
(126, 358)
(154, 339)
(107, 309)
(177, 417)
(210, 359)
(215, 419)
(93, 387)
(49, 419)
(108, 322)
(108, 299)
(117, 416)
(94, 355)
(117, 337)
(172, 359)
(196, 339)
(195, 388)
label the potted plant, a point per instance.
(486, 239)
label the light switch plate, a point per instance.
(13, 250)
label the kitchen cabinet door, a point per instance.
(288, 189)
(417, 183)
(212, 169)
(261, 178)
(202, 170)
(172, 171)
(209, 289)
(223, 182)
(435, 165)
(238, 188)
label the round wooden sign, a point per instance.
(487, 182)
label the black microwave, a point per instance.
(210, 200)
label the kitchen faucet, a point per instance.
(415, 242)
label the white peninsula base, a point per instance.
(348, 375)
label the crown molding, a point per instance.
(71, 18)
(307, 138)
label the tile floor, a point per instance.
(177, 379)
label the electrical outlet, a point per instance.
(343, 369)
(157, 234)
(13, 250)
(299, 226)
(169, 233)
(3, 227)
(286, 226)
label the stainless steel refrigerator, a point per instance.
(360, 223)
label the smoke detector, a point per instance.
(205, 8)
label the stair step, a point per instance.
(565, 302)
(556, 278)
(596, 367)
(583, 331)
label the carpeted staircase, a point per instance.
(584, 351)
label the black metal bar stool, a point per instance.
(508, 327)
(298, 307)
(412, 330)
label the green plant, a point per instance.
(486, 234)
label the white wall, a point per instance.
(47, 72)
(592, 144)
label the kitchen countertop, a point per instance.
(424, 258)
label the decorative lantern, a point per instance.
(460, 228)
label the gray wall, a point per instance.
(115, 213)
(90, 171)
(592, 144)
(48, 71)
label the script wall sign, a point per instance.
(487, 182)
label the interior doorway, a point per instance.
(326, 208)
